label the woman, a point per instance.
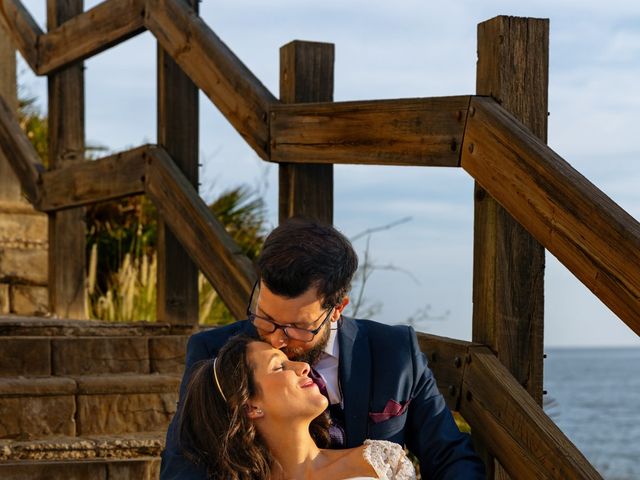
(251, 413)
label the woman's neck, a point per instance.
(295, 450)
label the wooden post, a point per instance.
(66, 146)
(177, 298)
(9, 184)
(306, 75)
(508, 266)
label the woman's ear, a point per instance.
(254, 412)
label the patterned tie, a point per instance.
(336, 429)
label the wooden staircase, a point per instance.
(93, 390)
(86, 399)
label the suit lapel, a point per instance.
(355, 379)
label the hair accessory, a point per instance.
(215, 376)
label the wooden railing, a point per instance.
(591, 235)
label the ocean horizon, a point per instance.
(593, 395)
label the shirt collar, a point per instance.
(332, 348)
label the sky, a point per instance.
(404, 49)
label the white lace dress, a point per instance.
(388, 460)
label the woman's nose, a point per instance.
(302, 369)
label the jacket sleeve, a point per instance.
(432, 435)
(174, 465)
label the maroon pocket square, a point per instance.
(391, 409)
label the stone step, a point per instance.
(106, 457)
(100, 469)
(35, 408)
(91, 355)
(16, 325)
(63, 448)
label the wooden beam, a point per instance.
(306, 75)
(177, 299)
(19, 152)
(447, 358)
(508, 263)
(66, 147)
(420, 131)
(10, 190)
(214, 68)
(516, 430)
(24, 30)
(107, 178)
(587, 231)
(89, 33)
(210, 246)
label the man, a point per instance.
(376, 378)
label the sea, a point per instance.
(593, 395)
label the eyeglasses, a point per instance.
(294, 333)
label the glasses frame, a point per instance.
(251, 316)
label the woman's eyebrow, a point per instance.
(274, 356)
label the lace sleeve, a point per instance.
(388, 460)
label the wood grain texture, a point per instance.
(508, 288)
(516, 430)
(66, 147)
(177, 298)
(587, 231)
(230, 272)
(447, 358)
(306, 75)
(99, 180)
(214, 68)
(421, 132)
(10, 190)
(19, 152)
(89, 33)
(24, 30)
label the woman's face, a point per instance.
(284, 389)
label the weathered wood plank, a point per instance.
(66, 147)
(587, 231)
(447, 358)
(214, 68)
(420, 131)
(508, 263)
(177, 298)
(306, 75)
(10, 190)
(230, 272)
(508, 277)
(89, 33)
(107, 178)
(24, 30)
(19, 152)
(518, 433)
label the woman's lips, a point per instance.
(308, 383)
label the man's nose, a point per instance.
(278, 339)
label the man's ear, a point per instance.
(337, 310)
(254, 412)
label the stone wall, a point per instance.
(23, 260)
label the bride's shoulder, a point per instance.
(388, 459)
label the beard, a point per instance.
(313, 355)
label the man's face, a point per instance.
(304, 311)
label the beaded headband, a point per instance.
(215, 376)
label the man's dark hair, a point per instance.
(303, 253)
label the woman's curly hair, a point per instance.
(216, 433)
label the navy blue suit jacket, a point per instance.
(378, 363)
